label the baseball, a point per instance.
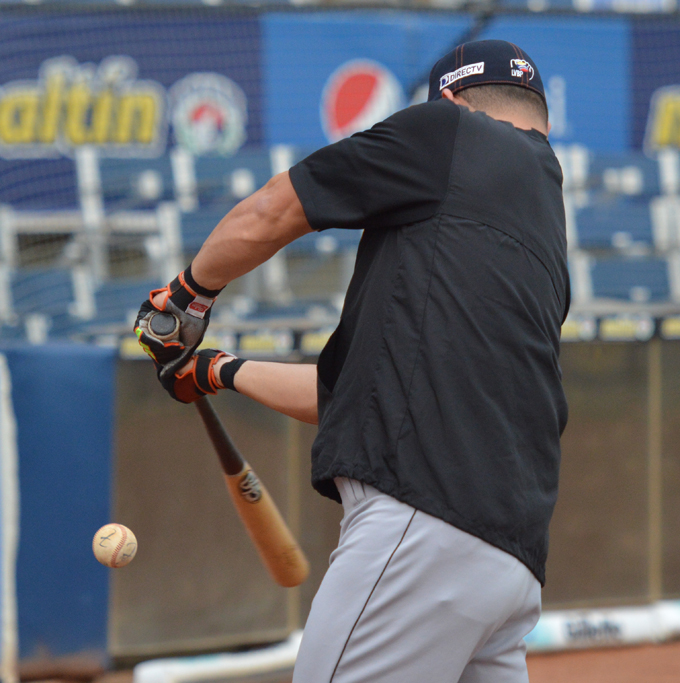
(114, 545)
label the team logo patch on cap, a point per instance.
(520, 67)
(452, 76)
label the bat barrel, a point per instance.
(278, 549)
(275, 543)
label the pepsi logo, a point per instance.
(357, 95)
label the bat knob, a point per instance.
(164, 326)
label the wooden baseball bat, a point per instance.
(278, 549)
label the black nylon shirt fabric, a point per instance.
(441, 385)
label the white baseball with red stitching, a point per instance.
(114, 545)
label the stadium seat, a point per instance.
(297, 309)
(619, 224)
(638, 280)
(12, 333)
(118, 300)
(326, 242)
(222, 180)
(196, 226)
(136, 183)
(39, 184)
(626, 173)
(48, 302)
(219, 180)
(48, 291)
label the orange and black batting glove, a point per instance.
(191, 304)
(191, 383)
(161, 352)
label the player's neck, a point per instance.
(517, 119)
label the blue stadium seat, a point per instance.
(618, 224)
(136, 183)
(12, 333)
(264, 312)
(227, 179)
(117, 300)
(197, 225)
(326, 242)
(43, 184)
(48, 291)
(46, 294)
(640, 280)
(298, 309)
(626, 173)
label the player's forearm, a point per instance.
(285, 387)
(252, 232)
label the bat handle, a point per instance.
(234, 463)
(165, 326)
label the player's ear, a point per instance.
(549, 127)
(456, 99)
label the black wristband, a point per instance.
(228, 372)
(189, 279)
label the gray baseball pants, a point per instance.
(409, 598)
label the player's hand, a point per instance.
(207, 372)
(191, 305)
(161, 352)
(196, 379)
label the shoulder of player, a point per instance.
(438, 109)
(427, 118)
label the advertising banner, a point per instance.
(655, 73)
(130, 84)
(585, 66)
(328, 75)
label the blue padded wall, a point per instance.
(63, 398)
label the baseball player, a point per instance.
(438, 397)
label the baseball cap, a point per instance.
(484, 62)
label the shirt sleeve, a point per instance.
(394, 174)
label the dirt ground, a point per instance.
(645, 664)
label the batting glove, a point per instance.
(190, 383)
(161, 352)
(190, 303)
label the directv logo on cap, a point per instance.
(469, 70)
(486, 63)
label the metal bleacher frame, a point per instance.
(153, 217)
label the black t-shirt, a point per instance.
(441, 385)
